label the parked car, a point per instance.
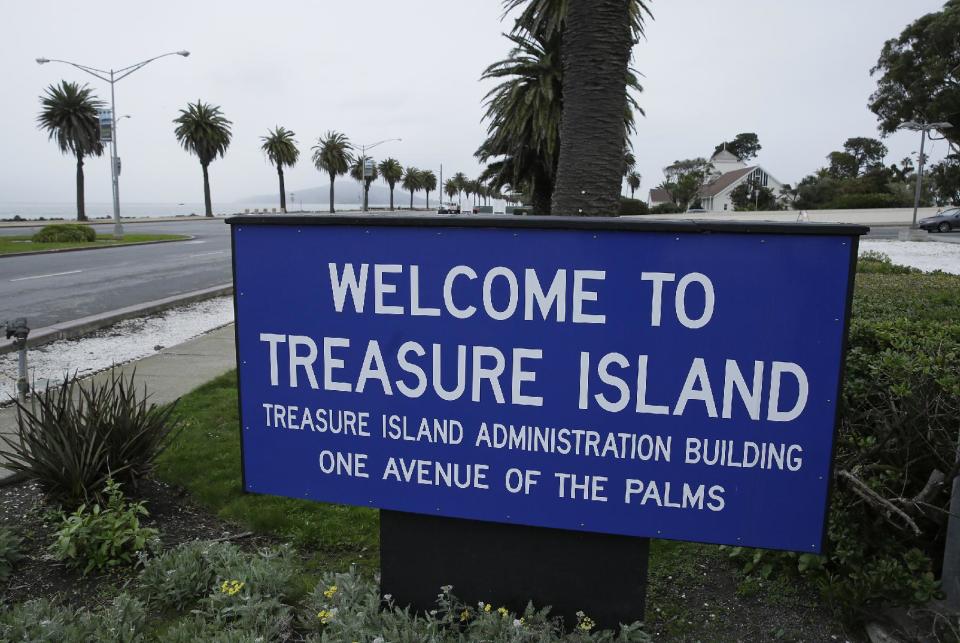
(448, 208)
(942, 222)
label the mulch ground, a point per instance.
(39, 576)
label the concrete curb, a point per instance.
(36, 223)
(78, 327)
(186, 237)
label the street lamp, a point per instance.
(113, 76)
(363, 156)
(923, 128)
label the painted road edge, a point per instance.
(84, 325)
(186, 237)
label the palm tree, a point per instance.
(356, 171)
(281, 149)
(331, 154)
(428, 181)
(391, 171)
(597, 40)
(460, 180)
(450, 188)
(69, 116)
(633, 180)
(468, 188)
(203, 130)
(412, 180)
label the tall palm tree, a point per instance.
(597, 40)
(69, 116)
(412, 180)
(450, 188)
(356, 172)
(280, 146)
(468, 188)
(633, 180)
(331, 154)
(391, 171)
(460, 180)
(203, 130)
(428, 181)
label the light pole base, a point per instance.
(913, 234)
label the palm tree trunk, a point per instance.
(411, 199)
(206, 191)
(81, 206)
(428, 199)
(391, 197)
(283, 193)
(332, 177)
(595, 55)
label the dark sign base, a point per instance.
(604, 576)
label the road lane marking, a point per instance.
(207, 254)
(194, 242)
(52, 274)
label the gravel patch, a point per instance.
(925, 255)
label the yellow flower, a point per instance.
(324, 616)
(464, 615)
(330, 591)
(502, 611)
(586, 623)
(231, 587)
(487, 607)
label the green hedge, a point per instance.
(865, 201)
(896, 447)
(65, 233)
(632, 207)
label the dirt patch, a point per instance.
(22, 507)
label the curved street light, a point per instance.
(924, 129)
(113, 76)
(363, 156)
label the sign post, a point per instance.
(529, 399)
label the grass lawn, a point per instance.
(16, 244)
(205, 459)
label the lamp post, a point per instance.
(363, 157)
(924, 129)
(113, 76)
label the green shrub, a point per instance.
(865, 201)
(348, 607)
(103, 537)
(666, 208)
(896, 448)
(632, 207)
(122, 620)
(195, 571)
(877, 262)
(11, 551)
(65, 233)
(73, 437)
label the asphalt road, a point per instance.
(59, 287)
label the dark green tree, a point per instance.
(684, 181)
(391, 171)
(450, 188)
(750, 197)
(633, 181)
(280, 146)
(331, 154)
(68, 115)
(412, 181)
(868, 152)
(945, 177)
(745, 146)
(460, 180)
(919, 73)
(203, 131)
(356, 172)
(524, 110)
(428, 181)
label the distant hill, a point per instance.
(346, 191)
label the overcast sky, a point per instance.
(796, 73)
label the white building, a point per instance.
(728, 173)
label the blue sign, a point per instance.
(645, 382)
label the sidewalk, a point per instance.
(167, 375)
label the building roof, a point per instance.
(725, 155)
(724, 181)
(659, 195)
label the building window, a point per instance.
(724, 206)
